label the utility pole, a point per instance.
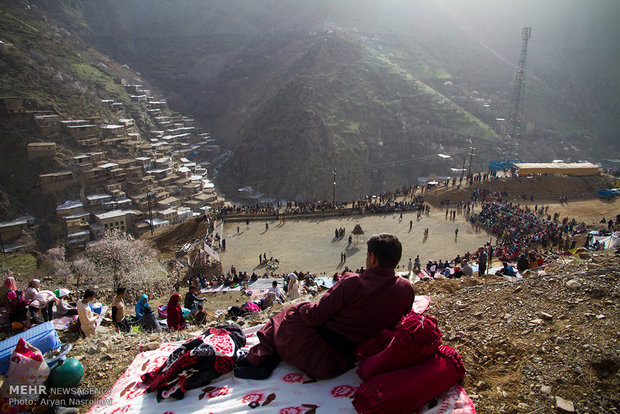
(334, 188)
(463, 169)
(2, 243)
(148, 197)
(471, 156)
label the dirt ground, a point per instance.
(310, 245)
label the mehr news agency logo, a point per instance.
(61, 396)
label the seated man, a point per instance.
(319, 338)
(276, 292)
(192, 301)
(148, 321)
(201, 316)
(467, 269)
(507, 270)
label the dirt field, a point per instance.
(304, 244)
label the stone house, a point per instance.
(41, 150)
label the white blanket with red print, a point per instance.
(287, 391)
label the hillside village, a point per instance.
(128, 180)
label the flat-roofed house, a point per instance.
(98, 199)
(41, 150)
(184, 213)
(47, 124)
(76, 221)
(158, 222)
(78, 239)
(83, 161)
(56, 181)
(69, 208)
(169, 214)
(113, 220)
(14, 107)
(11, 230)
(112, 130)
(96, 177)
(81, 130)
(169, 202)
(132, 88)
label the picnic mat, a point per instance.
(221, 288)
(287, 391)
(62, 323)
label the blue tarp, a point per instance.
(43, 336)
(500, 165)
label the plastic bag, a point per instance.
(25, 381)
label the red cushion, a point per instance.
(415, 339)
(406, 390)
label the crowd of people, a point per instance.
(369, 203)
(521, 228)
(22, 308)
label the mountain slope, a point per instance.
(224, 61)
(348, 107)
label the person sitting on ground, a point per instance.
(319, 338)
(447, 271)
(43, 301)
(33, 288)
(176, 322)
(141, 304)
(88, 319)
(17, 308)
(523, 262)
(275, 290)
(458, 272)
(63, 308)
(467, 269)
(201, 316)
(267, 301)
(118, 311)
(506, 270)
(148, 320)
(8, 286)
(192, 301)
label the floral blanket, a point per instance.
(287, 391)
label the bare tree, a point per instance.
(124, 261)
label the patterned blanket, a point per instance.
(287, 391)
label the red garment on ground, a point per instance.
(175, 313)
(406, 390)
(358, 307)
(416, 338)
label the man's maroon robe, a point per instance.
(357, 307)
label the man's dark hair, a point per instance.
(89, 293)
(274, 283)
(386, 248)
(120, 290)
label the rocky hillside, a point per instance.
(544, 344)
